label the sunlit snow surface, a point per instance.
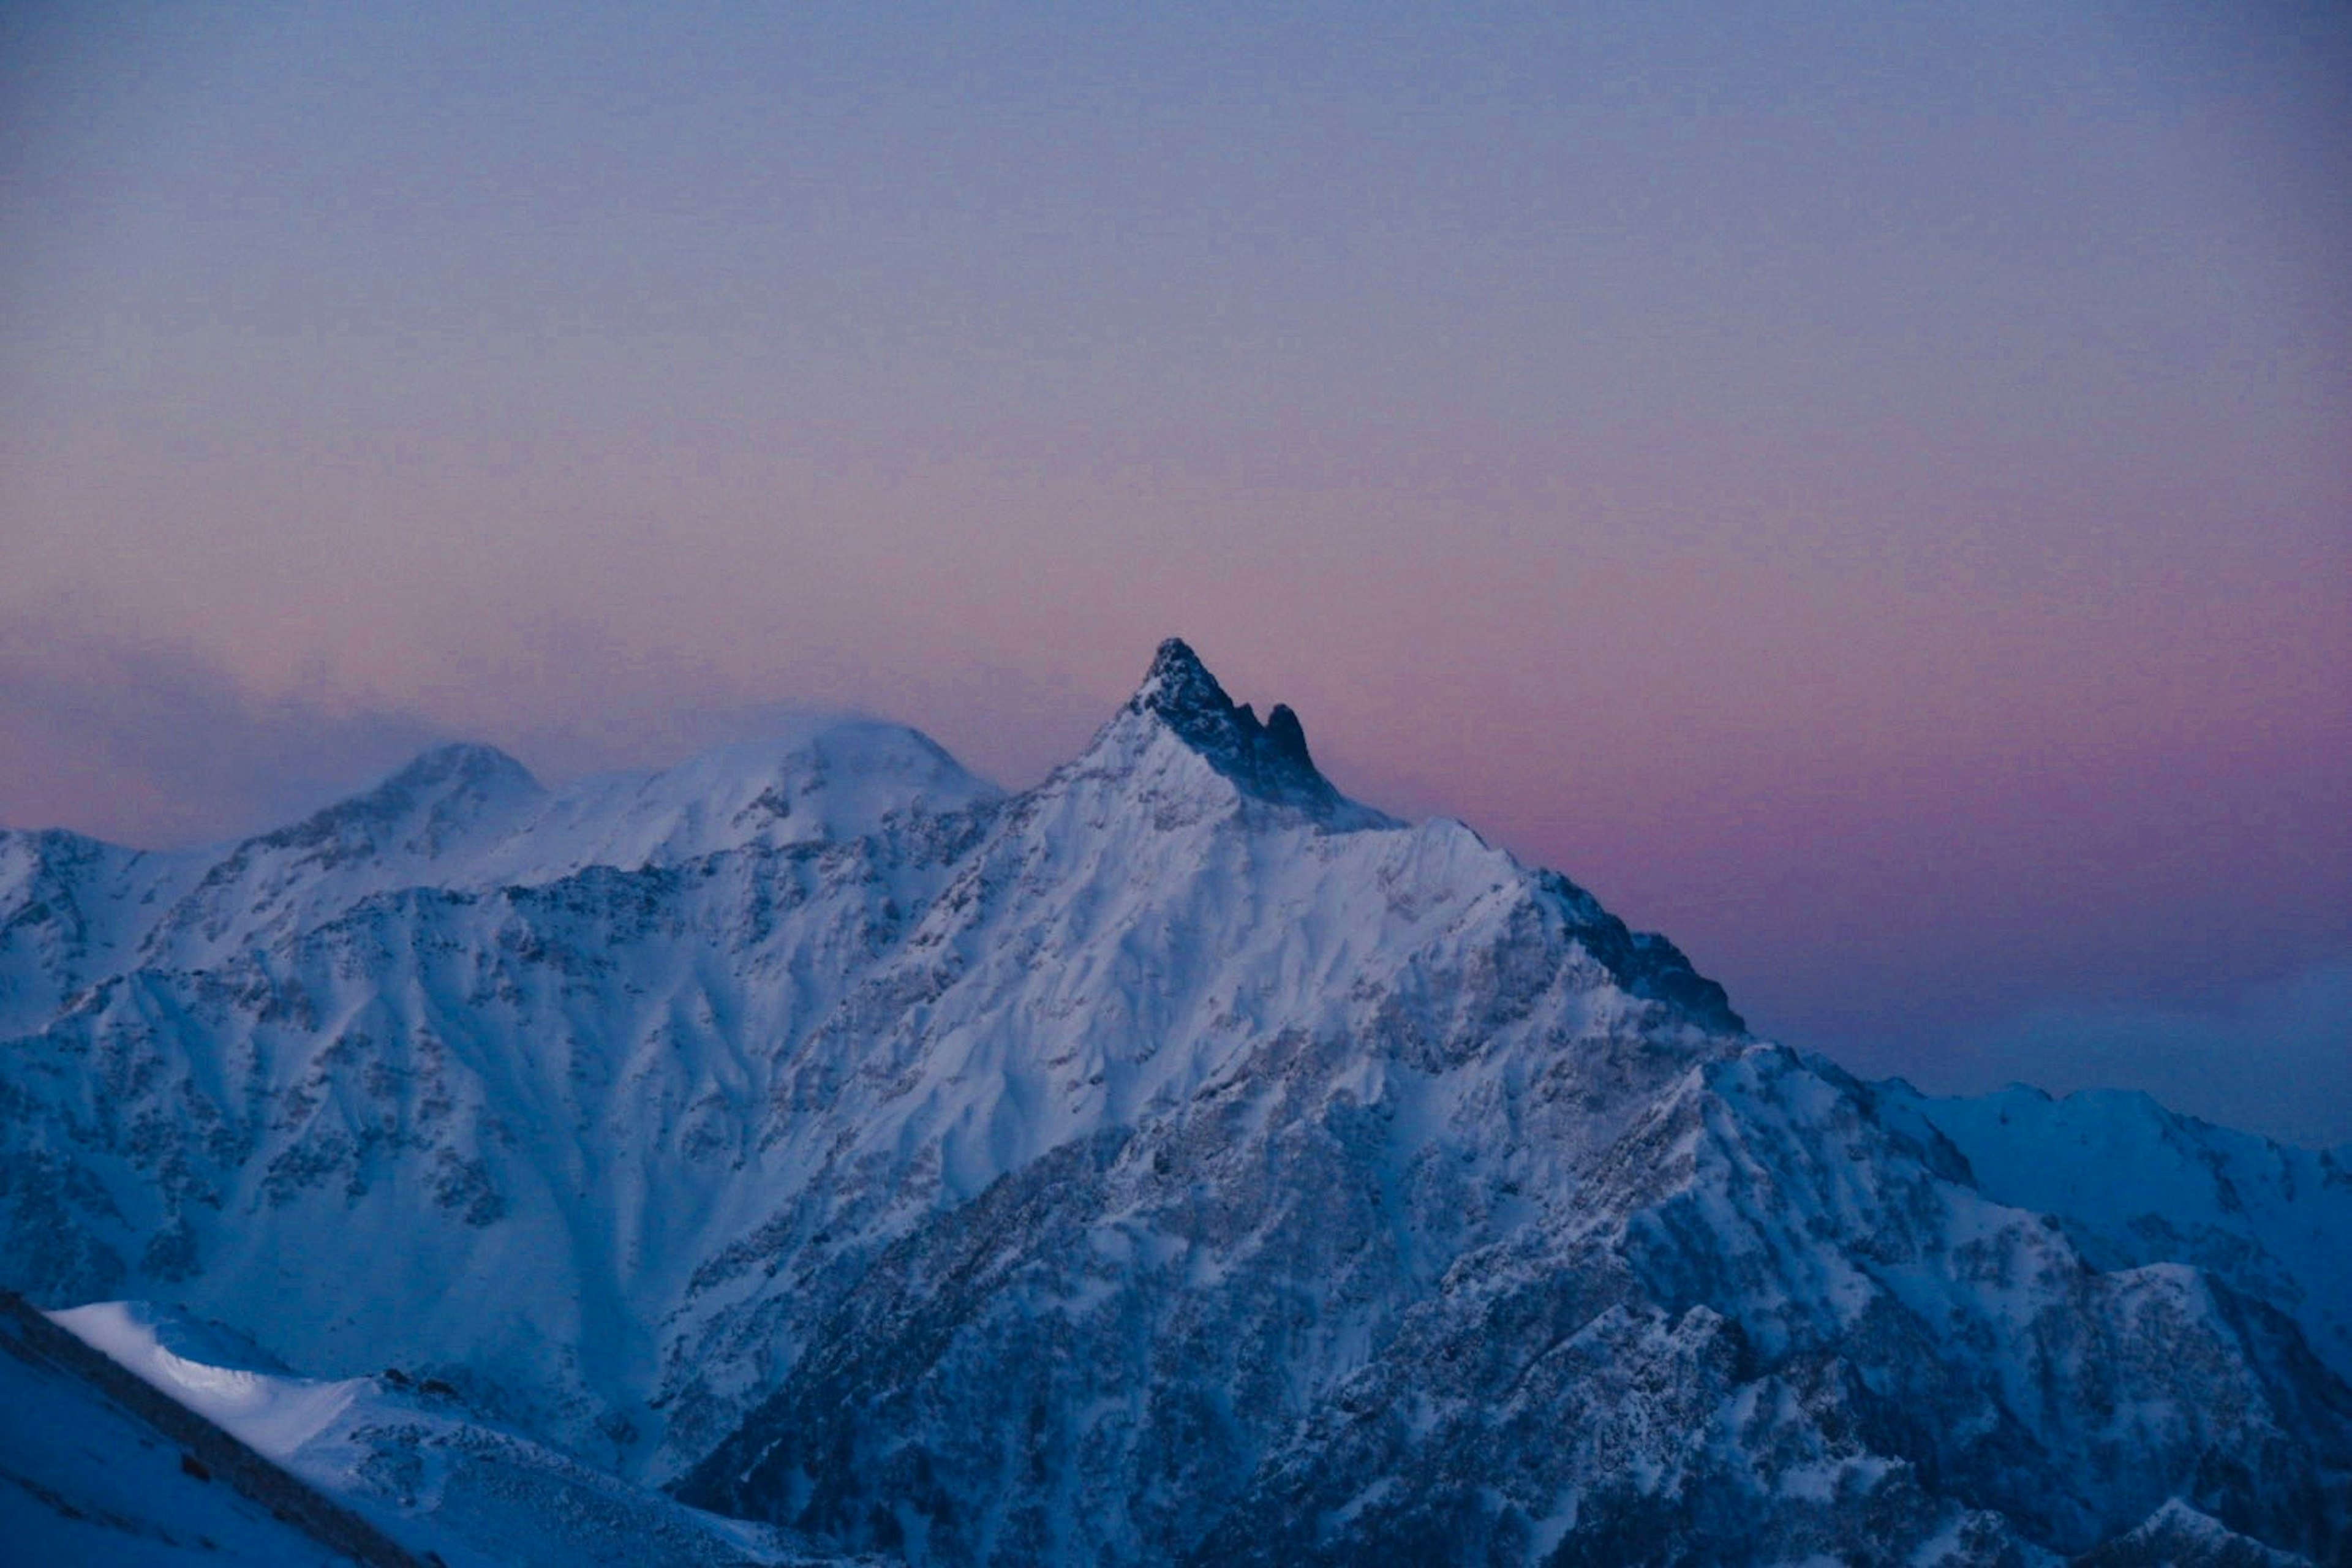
(415, 1462)
(85, 1484)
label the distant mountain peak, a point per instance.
(459, 763)
(446, 784)
(440, 793)
(1267, 758)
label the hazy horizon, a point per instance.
(1866, 490)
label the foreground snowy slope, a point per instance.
(1176, 1160)
(418, 1465)
(96, 1471)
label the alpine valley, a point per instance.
(812, 1152)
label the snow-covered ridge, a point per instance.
(407, 1456)
(1173, 1161)
(73, 911)
(2136, 1183)
(100, 1471)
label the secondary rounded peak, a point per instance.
(837, 755)
(442, 795)
(861, 738)
(459, 763)
(463, 776)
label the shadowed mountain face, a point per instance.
(1175, 1162)
(1269, 759)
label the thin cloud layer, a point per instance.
(157, 742)
(153, 744)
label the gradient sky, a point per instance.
(1865, 488)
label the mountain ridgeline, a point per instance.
(1175, 1163)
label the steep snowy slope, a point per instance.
(97, 1471)
(540, 1098)
(409, 1457)
(1307, 1320)
(73, 909)
(1767, 1326)
(1175, 1160)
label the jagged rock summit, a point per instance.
(1269, 759)
(1175, 1162)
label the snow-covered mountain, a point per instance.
(1175, 1162)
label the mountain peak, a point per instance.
(441, 793)
(1178, 686)
(1268, 759)
(459, 763)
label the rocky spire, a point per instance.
(1180, 690)
(1268, 759)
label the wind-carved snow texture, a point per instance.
(1176, 1161)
